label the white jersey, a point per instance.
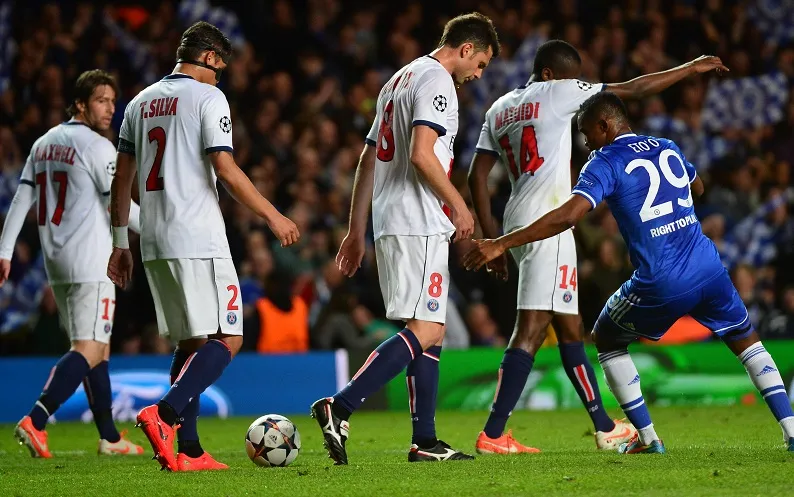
(71, 168)
(421, 93)
(171, 126)
(530, 130)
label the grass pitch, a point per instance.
(712, 451)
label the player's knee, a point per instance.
(428, 333)
(234, 343)
(94, 352)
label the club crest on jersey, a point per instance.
(440, 103)
(613, 300)
(226, 124)
(432, 305)
(231, 318)
(108, 327)
(583, 85)
(567, 296)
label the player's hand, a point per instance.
(483, 252)
(285, 230)
(706, 63)
(464, 224)
(498, 267)
(120, 267)
(5, 269)
(350, 255)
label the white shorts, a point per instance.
(194, 298)
(414, 276)
(86, 309)
(547, 278)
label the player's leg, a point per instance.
(528, 336)
(97, 384)
(723, 312)
(421, 379)
(612, 335)
(570, 335)
(79, 311)
(187, 434)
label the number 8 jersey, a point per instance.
(171, 127)
(421, 93)
(529, 129)
(645, 181)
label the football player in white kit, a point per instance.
(177, 133)
(529, 131)
(404, 171)
(67, 175)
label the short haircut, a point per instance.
(557, 55)
(86, 84)
(473, 28)
(604, 105)
(202, 37)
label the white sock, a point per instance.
(624, 382)
(765, 376)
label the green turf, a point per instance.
(711, 451)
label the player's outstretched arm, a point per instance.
(651, 84)
(351, 252)
(120, 263)
(423, 139)
(23, 200)
(553, 223)
(240, 187)
(480, 168)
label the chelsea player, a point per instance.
(648, 185)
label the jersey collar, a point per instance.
(74, 122)
(625, 135)
(177, 75)
(428, 55)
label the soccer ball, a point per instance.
(272, 440)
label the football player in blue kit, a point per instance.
(648, 184)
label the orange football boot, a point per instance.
(160, 435)
(505, 444)
(203, 463)
(35, 440)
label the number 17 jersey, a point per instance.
(171, 127)
(529, 129)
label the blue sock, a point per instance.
(187, 434)
(582, 376)
(100, 398)
(65, 377)
(382, 365)
(200, 371)
(513, 374)
(422, 380)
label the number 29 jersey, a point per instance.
(529, 129)
(171, 127)
(645, 181)
(421, 93)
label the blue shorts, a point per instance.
(629, 315)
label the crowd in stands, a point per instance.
(302, 88)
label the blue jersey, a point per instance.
(645, 181)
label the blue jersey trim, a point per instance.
(441, 130)
(27, 182)
(486, 152)
(221, 148)
(177, 76)
(587, 196)
(370, 141)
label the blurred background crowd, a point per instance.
(302, 89)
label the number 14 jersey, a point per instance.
(529, 129)
(171, 127)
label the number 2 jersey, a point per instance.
(645, 181)
(170, 127)
(529, 129)
(421, 93)
(71, 168)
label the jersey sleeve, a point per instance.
(126, 134)
(102, 165)
(28, 174)
(568, 95)
(485, 144)
(372, 136)
(216, 123)
(596, 180)
(434, 94)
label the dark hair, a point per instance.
(86, 84)
(605, 105)
(557, 55)
(473, 28)
(202, 37)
